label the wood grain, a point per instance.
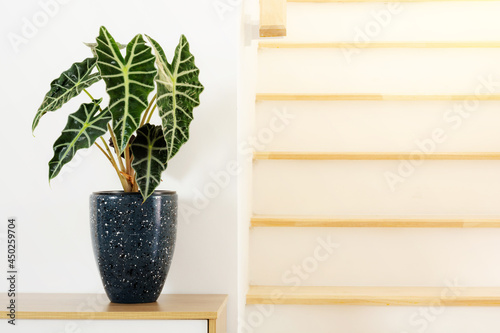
(219, 325)
(285, 155)
(272, 18)
(448, 296)
(374, 222)
(375, 45)
(332, 1)
(97, 306)
(371, 97)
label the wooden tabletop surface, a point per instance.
(97, 306)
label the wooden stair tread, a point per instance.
(288, 155)
(375, 45)
(372, 97)
(375, 222)
(347, 295)
(272, 21)
(97, 306)
(333, 1)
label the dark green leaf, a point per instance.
(128, 80)
(150, 158)
(178, 93)
(70, 84)
(82, 129)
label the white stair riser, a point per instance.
(374, 319)
(350, 126)
(390, 71)
(374, 256)
(468, 20)
(369, 188)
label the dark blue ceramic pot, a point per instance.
(133, 242)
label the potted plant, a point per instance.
(134, 230)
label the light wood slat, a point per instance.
(376, 45)
(371, 97)
(333, 1)
(281, 155)
(97, 306)
(448, 296)
(272, 18)
(373, 222)
(219, 325)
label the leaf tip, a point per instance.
(51, 175)
(35, 123)
(144, 198)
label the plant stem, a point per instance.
(135, 186)
(124, 174)
(130, 170)
(144, 117)
(128, 164)
(117, 150)
(113, 163)
(129, 184)
(92, 98)
(105, 154)
(109, 152)
(88, 94)
(151, 114)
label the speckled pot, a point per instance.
(133, 242)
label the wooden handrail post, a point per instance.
(272, 18)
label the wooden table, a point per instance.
(211, 308)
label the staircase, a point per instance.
(376, 173)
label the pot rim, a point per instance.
(115, 192)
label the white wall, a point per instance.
(246, 119)
(370, 256)
(55, 253)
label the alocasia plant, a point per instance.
(138, 151)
